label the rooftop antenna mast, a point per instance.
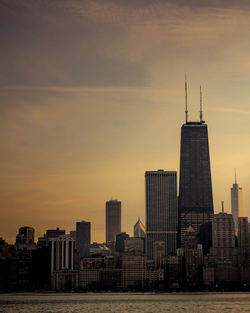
(186, 98)
(235, 176)
(222, 203)
(201, 112)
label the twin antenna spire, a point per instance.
(186, 102)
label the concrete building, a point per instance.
(195, 187)
(161, 210)
(223, 236)
(82, 240)
(236, 203)
(221, 264)
(139, 229)
(113, 220)
(62, 253)
(133, 264)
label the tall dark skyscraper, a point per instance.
(161, 210)
(83, 233)
(195, 187)
(113, 219)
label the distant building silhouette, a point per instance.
(119, 242)
(161, 210)
(82, 240)
(26, 234)
(113, 220)
(25, 238)
(236, 203)
(139, 229)
(50, 233)
(243, 239)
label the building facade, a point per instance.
(62, 253)
(113, 220)
(133, 264)
(195, 187)
(223, 234)
(161, 210)
(243, 240)
(82, 240)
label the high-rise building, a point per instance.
(223, 234)
(113, 219)
(195, 187)
(161, 210)
(82, 240)
(133, 263)
(193, 256)
(139, 229)
(236, 203)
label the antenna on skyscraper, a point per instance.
(186, 98)
(235, 176)
(201, 106)
(222, 203)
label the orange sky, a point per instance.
(92, 96)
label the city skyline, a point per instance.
(92, 97)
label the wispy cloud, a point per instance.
(228, 110)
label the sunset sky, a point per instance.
(92, 96)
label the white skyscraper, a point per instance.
(161, 210)
(236, 203)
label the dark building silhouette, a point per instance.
(26, 234)
(161, 210)
(113, 219)
(82, 239)
(195, 187)
(119, 243)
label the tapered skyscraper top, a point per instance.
(195, 188)
(236, 202)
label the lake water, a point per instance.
(121, 303)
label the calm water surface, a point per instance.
(121, 303)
